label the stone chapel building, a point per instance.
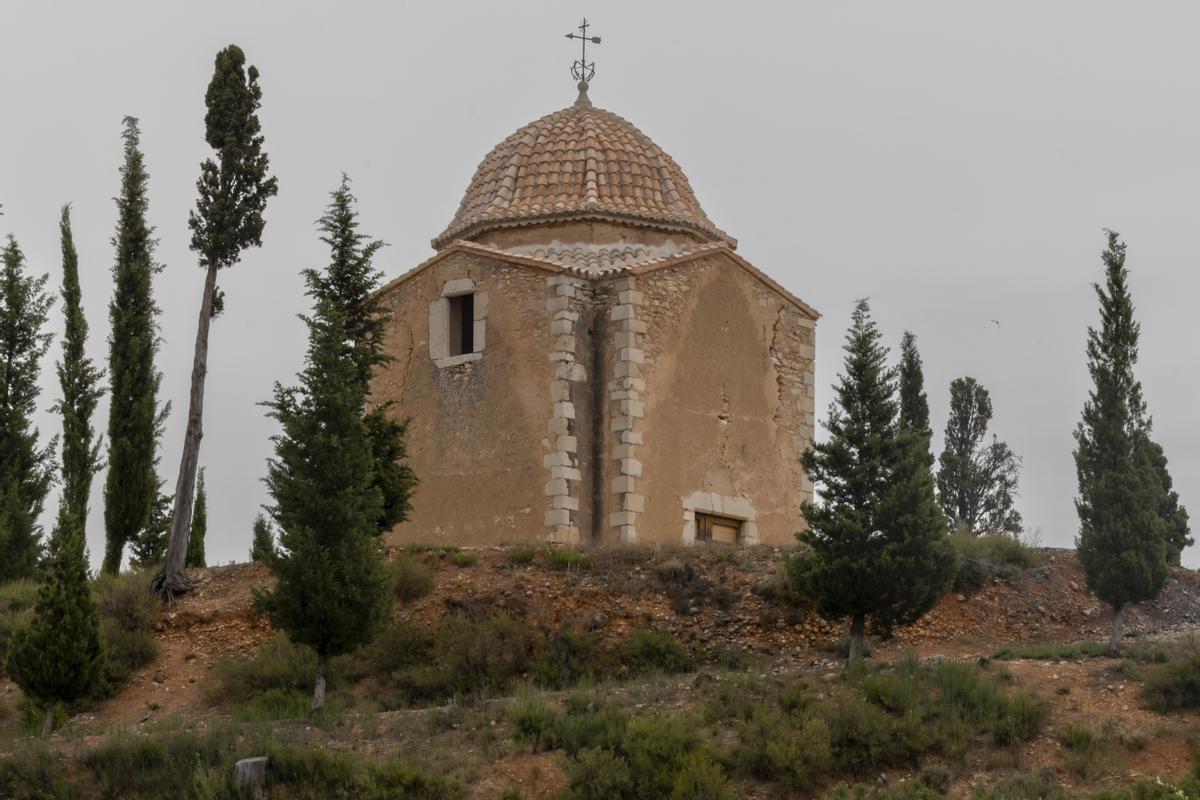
(586, 359)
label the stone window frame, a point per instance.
(439, 324)
(730, 507)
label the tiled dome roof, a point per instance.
(579, 163)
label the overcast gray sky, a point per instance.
(955, 162)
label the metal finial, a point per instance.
(583, 70)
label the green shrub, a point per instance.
(564, 558)
(464, 559)
(585, 724)
(411, 578)
(1040, 785)
(649, 651)
(1054, 652)
(135, 767)
(315, 772)
(18, 595)
(655, 747)
(980, 557)
(1018, 719)
(699, 777)
(127, 601)
(535, 724)
(469, 657)
(865, 737)
(1083, 747)
(1174, 685)
(278, 665)
(522, 556)
(34, 774)
(400, 646)
(598, 774)
(274, 703)
(567, 659)
(125, 651)
(773, 746)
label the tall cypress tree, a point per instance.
(58, 656)
(134, 419)
(1127, 528)
(880, 554)
(26, 470)
(195, 552)
(79, 380)
(262, 547)
(333, 591)
(349, 283)
(914, 404)
(233, 193)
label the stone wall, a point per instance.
(478, 434)
(728, 402)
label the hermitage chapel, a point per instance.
(587, 360)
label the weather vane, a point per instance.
(583, 70)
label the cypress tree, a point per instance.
(977, 482)
(135, 421)
(148, 549)
(879, 549)
(349, 283)
(1127, 529)
(195, 552)
(233, 193)
(80, 383)
(262, 548)
(26, 470)
(914, 404)
(58, 656)
(333, 592)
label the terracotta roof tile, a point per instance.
(581, 161)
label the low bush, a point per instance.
(699, 777)
(522, 556)
(1082, 749)
(1174, 685)
(411, 578)
(567, 659)
(774, 746)
(1053, 651)
(463, 559)
(981, 557)
(650, 651)
(585, 724)
(34, 774)
(279, 665)
(647, 762)
(135, 767)
(126, 599)
(469, 657)
(564, 558)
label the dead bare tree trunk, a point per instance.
(857, 628)
(319, 685)
(172, 581)
(1114, 644)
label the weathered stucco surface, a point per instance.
(602, 410)
(478, 429)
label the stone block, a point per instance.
(565, 343)
(627, 534)
(561, 355)
(558, 426)
(457, 287)
(631, 297)
(621, 312)
(566, 473)
(555, 486)
(560, 391)
(632, 354)
(439, 329)
(622, 284)
(621, 424)
(634, 325)
(631, 437)
(738, 507)
(565, 290)
(624, 450)
(633, 502)
(479, 337)
(568, 444)
(633, 408)
(566, 410)
(556, 304)
(570, 316)
(558, 516)
(624, 339)
(481, 305)
(623, 484)
(618, 518)
(627, 369)
(556, 459)
(634, 384)
(559, 501)
(561, 327)
(630, 466)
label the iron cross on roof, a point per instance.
(583, 70)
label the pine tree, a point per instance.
(58, 656)
(333, 591)
(80, 383)
(977, 483)
(150, 547)
(879, 548)
(228, 219)
(195, 552)
(914, 404)
(349, 283)
(1128, 519)
(135, 421)
(262, 548)
(26, 470)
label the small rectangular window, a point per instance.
(462, 324)
(718, 530)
